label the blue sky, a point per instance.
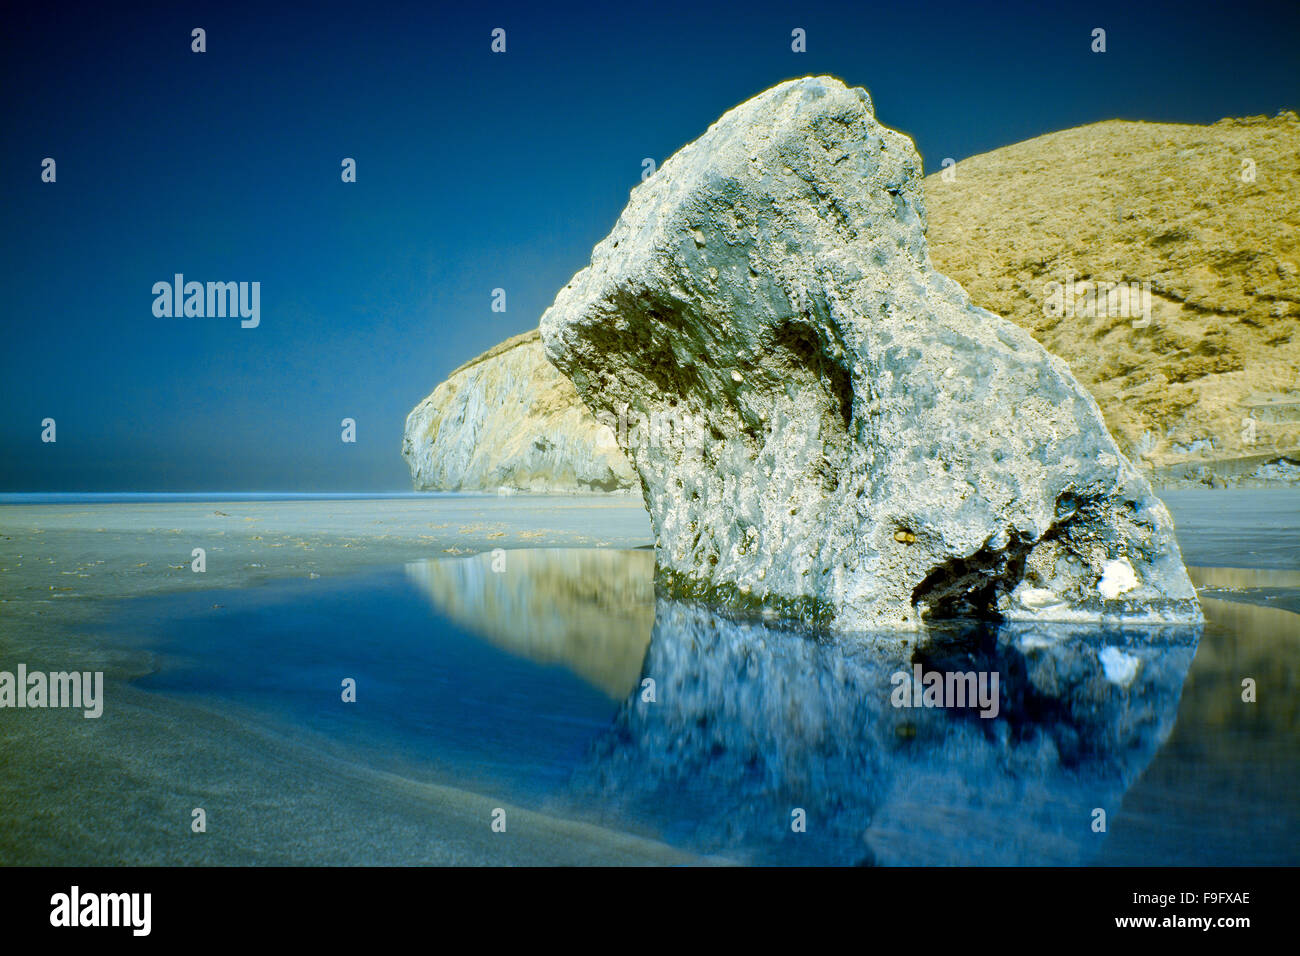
(475, 171)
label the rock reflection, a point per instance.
(585, 609)
(752, 722)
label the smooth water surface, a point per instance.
(526, 676)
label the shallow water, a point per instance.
(1256, 528)
(528, 684)
(521, 676)
(427, 689)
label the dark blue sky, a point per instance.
(475, 171)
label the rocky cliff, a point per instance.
(507, 419)
(1199, 361)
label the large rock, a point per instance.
(836, 431)
(507, 420)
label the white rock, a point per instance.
(1117, 578)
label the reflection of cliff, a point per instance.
(1262, 643)
(1273, 588)
(588, 610)
(751, 722)
(1230, 766)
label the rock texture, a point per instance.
(841, 435)
(1121, 201)
(508, 420)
